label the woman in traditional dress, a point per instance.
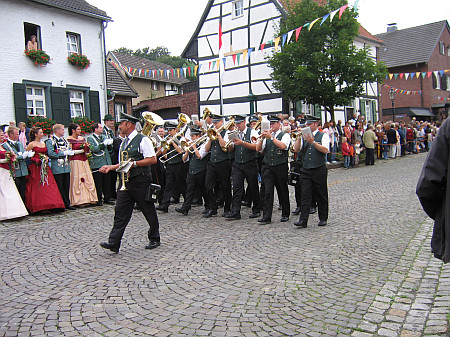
(41, 192)
(11, 204)
(82, 187)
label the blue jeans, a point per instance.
(346, 161)
(333, 151)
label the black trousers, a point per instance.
(195, 188)
(63, 182)
(218, 172)
(113, 184)
(135, 193)
(102, 185)
(314, 185)
(249, 171)
(21, 186)
(158, 177)
(275, 177)
(370, 156)
(175, 177)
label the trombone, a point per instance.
(184, 145)
(198, 142)
(213, 133)
(183, 121)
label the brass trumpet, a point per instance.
(213, 133)
(296, 135)
(124, 160)
(254, 139)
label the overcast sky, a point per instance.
(171, 23)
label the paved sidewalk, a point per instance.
(369, 272)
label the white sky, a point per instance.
(171, 23)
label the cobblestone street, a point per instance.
(369, 272)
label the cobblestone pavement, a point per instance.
(369, 272)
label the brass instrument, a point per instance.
(254, 139)
(296, 135)
(124, 160)
(258, 123)
(151, 121)
(213, 133)
(207, 113)
(198, 142)
(183, 120)
(233, 134)
(183, 144)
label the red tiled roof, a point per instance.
(364, 33)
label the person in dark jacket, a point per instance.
(433, 190)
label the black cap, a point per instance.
(108, 117)
(195, 130)
(216, 118)
(312, 119)
(128, 118)
(253, 118)
(273, 118)
(239, 118)
(170, 125)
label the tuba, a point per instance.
(207, 113)
(151, 120)
(258, 123)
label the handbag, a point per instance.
(152, 193)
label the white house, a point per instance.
(59, 90)
(245, 25)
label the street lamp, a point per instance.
(392, 97)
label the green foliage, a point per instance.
(42, 122)
(84, 123)
(79, 60)
(39, 57)
(323, 67)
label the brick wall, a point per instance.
(186, 103)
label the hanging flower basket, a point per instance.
(39, 57)
(79, 60)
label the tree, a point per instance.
(323, 67)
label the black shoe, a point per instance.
(254, 215)
(182, 211)
(246, 203)
(70, 208)
(152, 245)
(109, 246)
(109, 202)
(312, 210)
(301, 223)
(205, 211)
(296, 211)
(284, 218)
(264, 221)
(210, 213)
(322, 223)
(162, 208)
(225, 213)
(279, 207)
(99, 203)
(232, 216)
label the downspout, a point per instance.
(105, 89)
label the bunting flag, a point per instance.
(312, 23)
(297, 33)
(424, 74)
(244, 55)
(277, 41)
(341, 10)
(332, 14)
(402, 91)
(325, 17)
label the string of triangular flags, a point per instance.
(402, 91)
(242, 56)
(158, 73)
(417, 74)
(414, 92)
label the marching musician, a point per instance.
(196, 172)
(175, 172)
(218, 169)
(108, 131)
(140, 149)
(244, 167)
(313, 176)
(158, 168)
(275, 145)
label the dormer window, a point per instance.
(73, 43)
(442, 48)
(238, 8)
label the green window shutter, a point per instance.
(20, 102)
(362, 106)
(374, 112)
(317, 110)
(94, 105)
(60, 105)
(298, 108)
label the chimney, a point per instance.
(392, 27)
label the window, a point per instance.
(119, 108)
(444, 82)
(73, 43)
(238, 9)
(76, 104)
(30, 30)
(448, 51)
(154, 85)
(442, 48)
(35, 101)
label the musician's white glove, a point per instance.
(78, 151)
(68, 153)
(30, 154)
(108, 141)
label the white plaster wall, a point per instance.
(54, 23)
